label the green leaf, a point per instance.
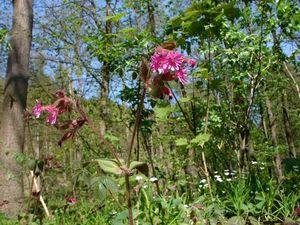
(142, 167)
(103, 186)
(127, 30)
(115, 18)
(162, 113)
(109, 166)
(181, 142)
(185, 99)
(236, 220)
(201, 139)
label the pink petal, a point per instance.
(51, 119)
(37, 110)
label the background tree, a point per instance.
(14, 105)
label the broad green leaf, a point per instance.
(181, 142)
(201, 139)
(140, 166)
(109, 166)
(103, 186)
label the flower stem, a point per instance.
(136, 125)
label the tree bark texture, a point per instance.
(287, 126)
(272, 125)
(12, 131)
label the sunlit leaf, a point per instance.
(181, 142)
(109, 166)
(201, 139)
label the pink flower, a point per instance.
(54, 113)
(181, 75)
(173, 61)
(192, 62)
(37, 110)
(157, 63)
(71, 200)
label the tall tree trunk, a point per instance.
(105, 75)
(12, 132)
(287, 126)
(272, 125)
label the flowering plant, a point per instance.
(165, 65)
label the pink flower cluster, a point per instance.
(38, 109)
(168, 65)
(61, 105)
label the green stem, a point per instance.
(128, 196)
(136, 125)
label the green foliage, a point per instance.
(110, 166)
(241, 48)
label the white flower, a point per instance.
(137, 178)
(254, 162)
(153, 179)
(218, 178)
(203, 181)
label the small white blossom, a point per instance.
(153, 179)
(203, 181)
(137, 178)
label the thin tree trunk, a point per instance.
(272, 125)
(105, 75)
(243, 151)
(12, 134)
(287, 127)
